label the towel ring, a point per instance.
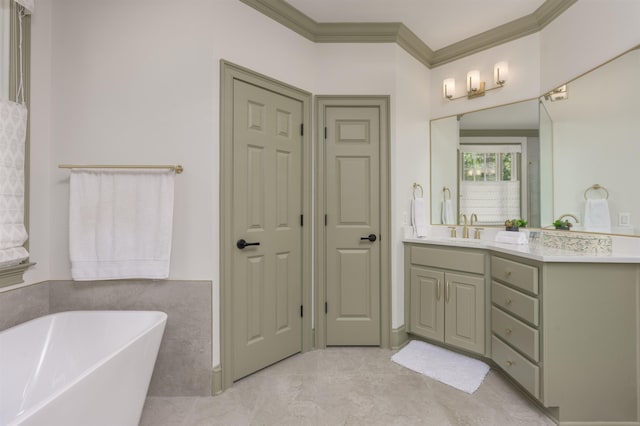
(596, 187)
(444, 193)
(416, 186)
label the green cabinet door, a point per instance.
(464, 312)
(427, 303)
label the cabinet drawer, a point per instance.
(517, 366)
(516, 333)
(514, 273)
(466, 261)
(526, 307)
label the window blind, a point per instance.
(13, 132)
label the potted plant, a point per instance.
(562, 224)
(515, 224)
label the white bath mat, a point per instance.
(445, 366)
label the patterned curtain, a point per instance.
(13, 131)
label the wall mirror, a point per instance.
(487, 163)
(595, 130)
(541, 159)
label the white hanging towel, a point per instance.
(418, 216)
(120, 223)
(596, 215)
(447, 213)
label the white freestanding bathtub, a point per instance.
(84, 368)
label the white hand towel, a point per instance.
(419, 217)
(120, 223)
(596, 215)
(509, 237)
(447, 213)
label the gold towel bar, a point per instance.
(596, 187)
(417, 186)
(177, 168)
(444, 193)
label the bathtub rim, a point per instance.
(161, 321)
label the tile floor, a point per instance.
(347, 386)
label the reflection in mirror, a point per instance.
(489, 180)
(594, 133)
(488, 161)
(546, 168)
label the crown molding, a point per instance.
(550, 10)
(510, 31)
(393, 32)
(287, 15)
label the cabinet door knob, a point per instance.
(438, 290)
(507, 301)
(446, 293)
(510, 363)
(507, 331)
(508, 273)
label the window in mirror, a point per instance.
(489, 182)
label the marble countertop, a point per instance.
(622, 251)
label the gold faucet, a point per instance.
(476, 231)
(569, 215)
(465, 229)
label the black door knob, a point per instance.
(241, 244)
(370, 237)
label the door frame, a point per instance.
(228, 73)
(321, 103)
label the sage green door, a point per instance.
(352, 200)
(267, 204)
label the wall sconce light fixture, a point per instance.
(500, 73)
(449, 88)
(559, 94)
(475, 87)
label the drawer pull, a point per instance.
(507, 301)
(507, 331)
(438, 290)
(510, 363)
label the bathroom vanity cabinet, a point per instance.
(448, 296)
(515, 335)
(567, 333)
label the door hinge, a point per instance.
(326, 308)
(325, 220)
(301, 311)
(302, 129)
(301, 220)
(325, 133)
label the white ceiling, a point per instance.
(438, 23)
